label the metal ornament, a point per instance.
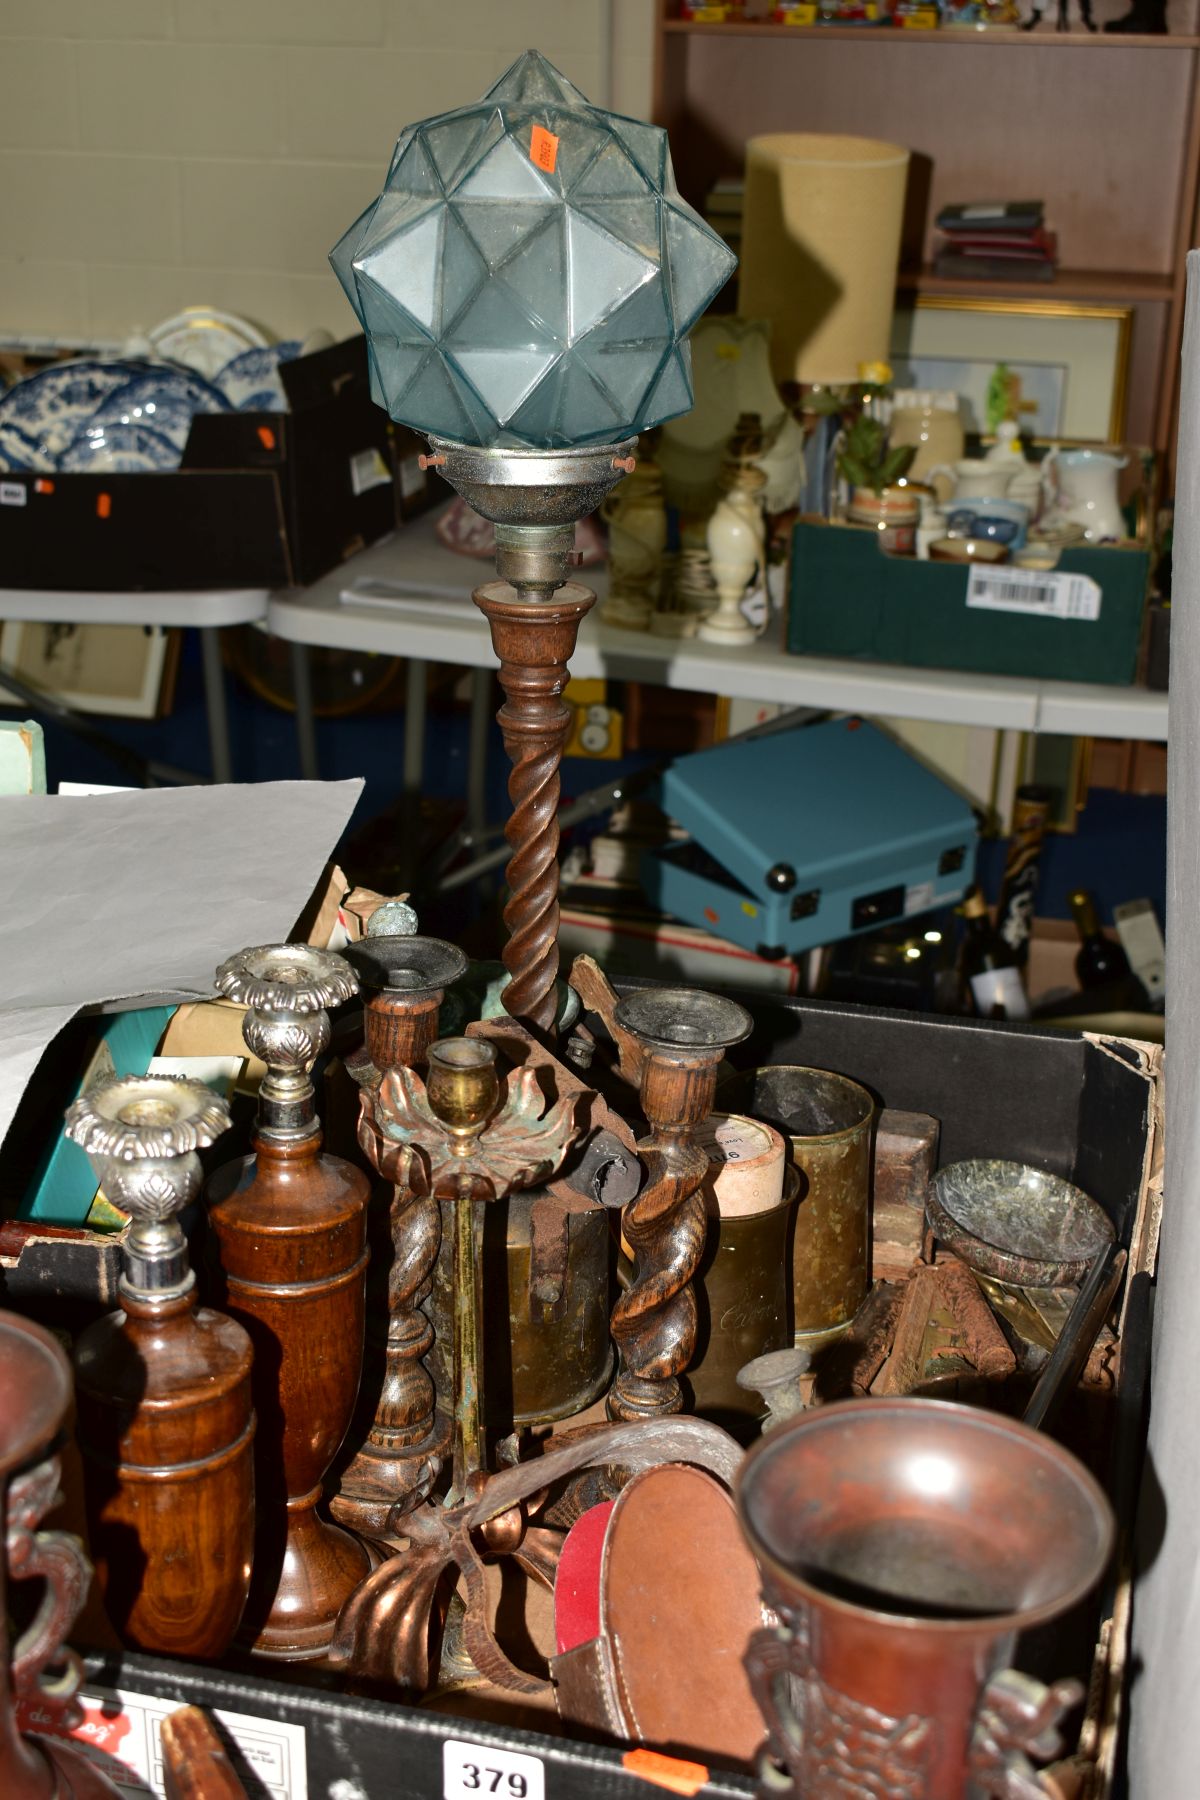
(684, 1033)
(287, 988)
(143, 1132)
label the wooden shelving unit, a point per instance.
(1104, 128)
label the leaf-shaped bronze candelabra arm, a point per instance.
(475, 1140)
(684, 1033)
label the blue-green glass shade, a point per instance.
(529, 273)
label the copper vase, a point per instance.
(903, 1544)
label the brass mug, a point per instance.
(828, 1120)
(743, 1305)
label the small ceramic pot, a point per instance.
(1003, 521)
(893, 514)
(967, 550)
(971, 478)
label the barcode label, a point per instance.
(1053, 594)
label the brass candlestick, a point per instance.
(684, 1034)
(166, 1421)
(399, 1439)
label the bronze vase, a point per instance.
(35, 1388)
(903, 1544)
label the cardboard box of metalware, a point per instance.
(847, 598)
(261, 499)
(1085, 1107)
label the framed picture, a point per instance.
(1058, 366)
(126, 671)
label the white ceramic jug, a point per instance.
(974, 479)
(1081, 485)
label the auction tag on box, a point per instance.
(1051, 592)
(12, 493)
(469, 1770)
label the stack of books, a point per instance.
(1001, 240)
(723, 209)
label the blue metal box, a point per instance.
(809, 835)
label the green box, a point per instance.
(847, 598)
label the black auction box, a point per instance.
(261, 499)
(1085, 1107)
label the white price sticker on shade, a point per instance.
(471, 1770)
(1052, 593)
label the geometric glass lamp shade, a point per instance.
(529, 274)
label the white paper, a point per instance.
(139, 896)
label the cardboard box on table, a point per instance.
(261, 499)
(1088, 1108)
(847, 598)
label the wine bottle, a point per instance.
(991, 979)
(1101, 960)
(1018, 890)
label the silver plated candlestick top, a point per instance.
(287, 988)
(143, 1132)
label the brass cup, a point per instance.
(463, 1087)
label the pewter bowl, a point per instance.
(1016, 1223)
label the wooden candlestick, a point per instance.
(290, 1226)
(35, 1388)
(398, 1439)
(166, 1422)
(684, 1033)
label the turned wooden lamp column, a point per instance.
(290, 1225)
(684, 1034)
(534, 498)
(399, 1439)
(166, 1421)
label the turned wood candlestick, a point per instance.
(290, 1225)
(398, 1440)
(166, 1421)
(35, 1388)
(534, 498)
(684, 1033)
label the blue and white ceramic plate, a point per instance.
(251, 381)
(51, 406)
(18, 451)
(118, 449)
(165, 399)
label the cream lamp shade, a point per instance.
(820, 247)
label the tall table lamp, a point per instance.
(526, 281)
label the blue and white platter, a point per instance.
(251, 382)
(20, 452)
(118, 449)
(51, 406)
